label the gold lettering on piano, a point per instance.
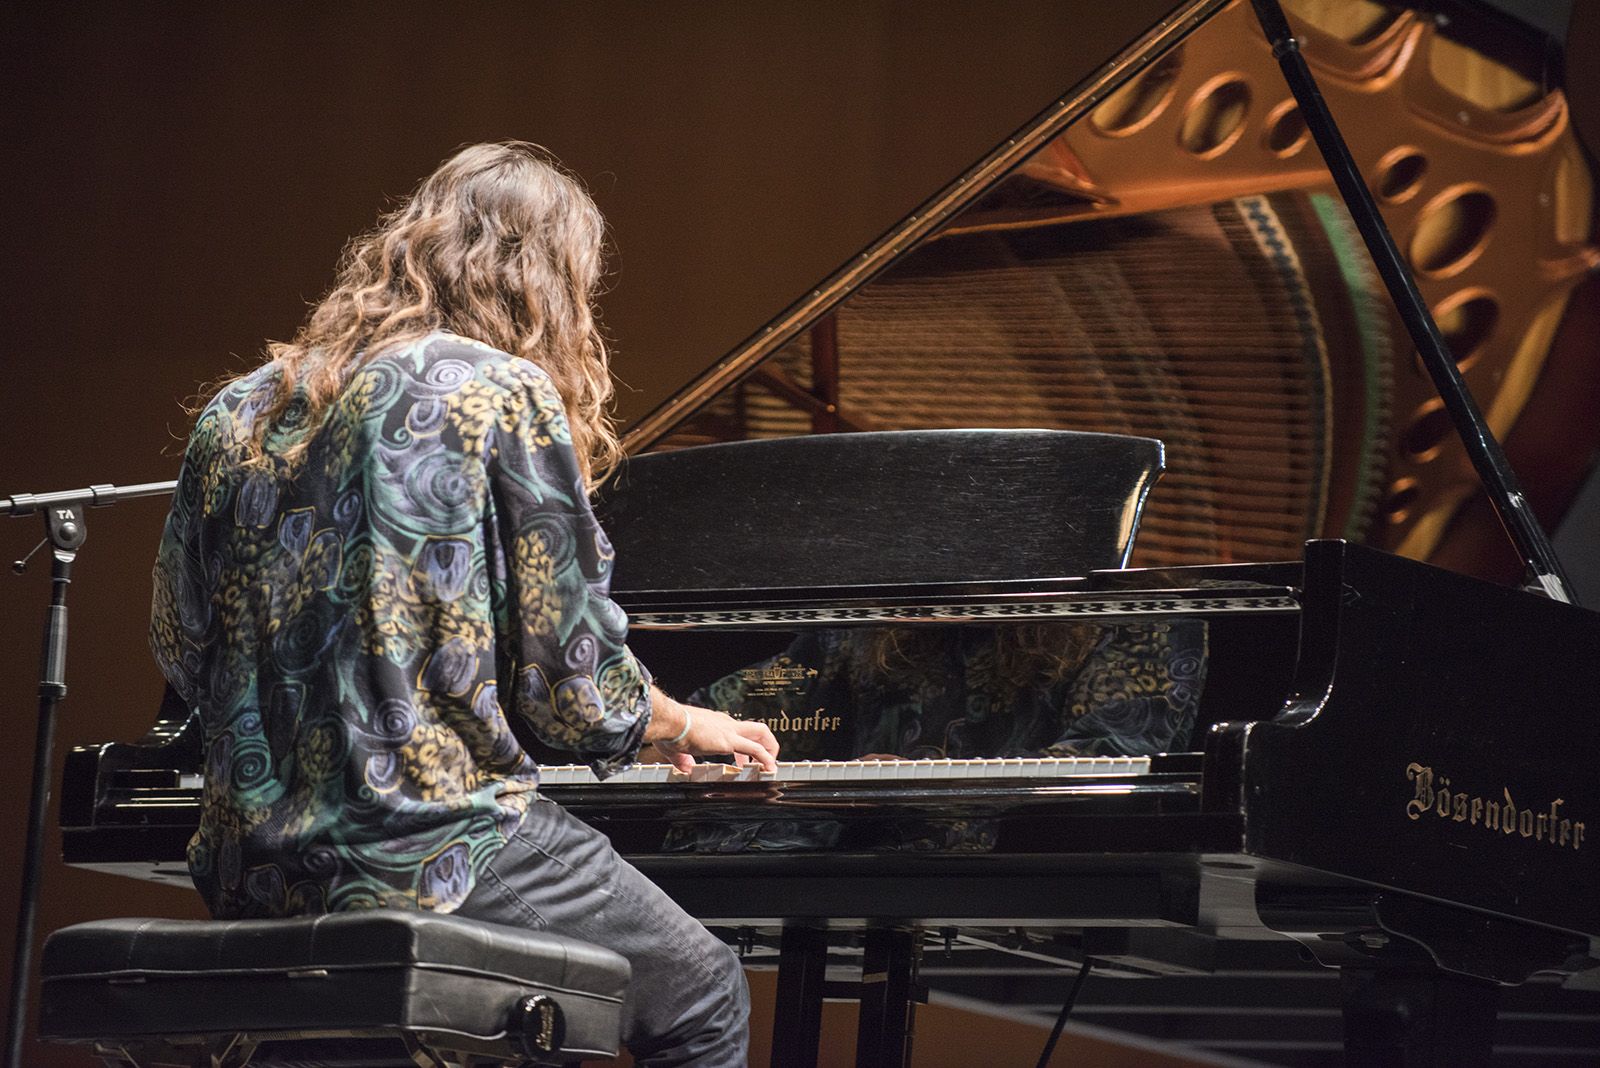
(1433, 795)
(819, 722)
(779, 676)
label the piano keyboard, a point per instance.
(858, 771)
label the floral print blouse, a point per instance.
(372, 642)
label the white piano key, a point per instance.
(860, 770)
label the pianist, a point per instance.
(381, 580)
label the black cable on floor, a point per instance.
(1066, 1010)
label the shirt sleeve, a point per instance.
(572, 678)
(179, 608)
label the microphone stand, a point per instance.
(65, 532)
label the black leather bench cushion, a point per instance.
(349, 973)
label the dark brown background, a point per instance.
(179, 179)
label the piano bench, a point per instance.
(369, 989)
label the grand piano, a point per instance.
(1387, 772)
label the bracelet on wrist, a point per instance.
(688, 722)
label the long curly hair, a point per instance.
(500, 245)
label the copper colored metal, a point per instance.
(1497, 204)
(1477, 172)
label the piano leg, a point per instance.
(887, 992)
(797, 1017)
(1417, 1018)
(888, 978)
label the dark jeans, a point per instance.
(687, 1002)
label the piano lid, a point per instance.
(1162, 252)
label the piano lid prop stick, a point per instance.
(1487, 457)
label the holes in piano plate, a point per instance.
(1286, 131)
(1429, 428)
(1466, 319)
(1452, 230)
(1215, 116)
(1400, 174)
(1142, 100)
(1402, 499)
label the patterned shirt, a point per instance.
(372, 642)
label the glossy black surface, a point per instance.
(1297, 824)
(1482, 693)
(880, 508)
(1292, 823)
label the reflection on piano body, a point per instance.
(1380, 767)
(969, 692)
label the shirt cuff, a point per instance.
(630, 741)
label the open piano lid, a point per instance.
(1162, 253)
